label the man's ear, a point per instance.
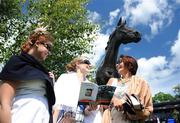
(77, 64)
(37, 43)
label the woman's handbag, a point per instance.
(132, 104)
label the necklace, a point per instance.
(124, 80)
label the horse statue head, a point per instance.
(121, 35)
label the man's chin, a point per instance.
(42, 59)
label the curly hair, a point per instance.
(40, 34)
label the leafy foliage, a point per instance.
(65, 19)
(91, 75)
(162, 97)
(9, 8)
(176, 90)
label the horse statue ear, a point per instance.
(121, 22)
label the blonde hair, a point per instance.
(71, 67)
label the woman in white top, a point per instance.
(26, 94)
(67, 90)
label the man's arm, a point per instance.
(7, 92)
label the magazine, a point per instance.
(93, 93)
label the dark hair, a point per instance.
(130, 63)
(39, 34)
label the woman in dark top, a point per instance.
(26, 92)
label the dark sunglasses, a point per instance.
(119, 61)
(86, 62)
(47, 46)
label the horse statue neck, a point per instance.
(111, 53)
(108, 67)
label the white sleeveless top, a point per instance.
(121, 89)
(30, 104)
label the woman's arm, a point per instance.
(55, 115)
(144, 93)
(7, 92)
(110, 81)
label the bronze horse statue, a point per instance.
(121, 35)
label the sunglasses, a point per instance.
(86, 62)
(119, 61)
(47, 46)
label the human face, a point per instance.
(122, 70)
(43, 50)
(84, 67)
(47, 46)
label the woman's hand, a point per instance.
(90, 108)
(68, 120)
(117, 103)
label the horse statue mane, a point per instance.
(121, 35)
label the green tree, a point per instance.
(162, 97)
(65, 19)
(91, 75)
(9, 11)
(9, 8)
(176, 90)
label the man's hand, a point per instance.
(51, 75)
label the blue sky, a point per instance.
(158, 52)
